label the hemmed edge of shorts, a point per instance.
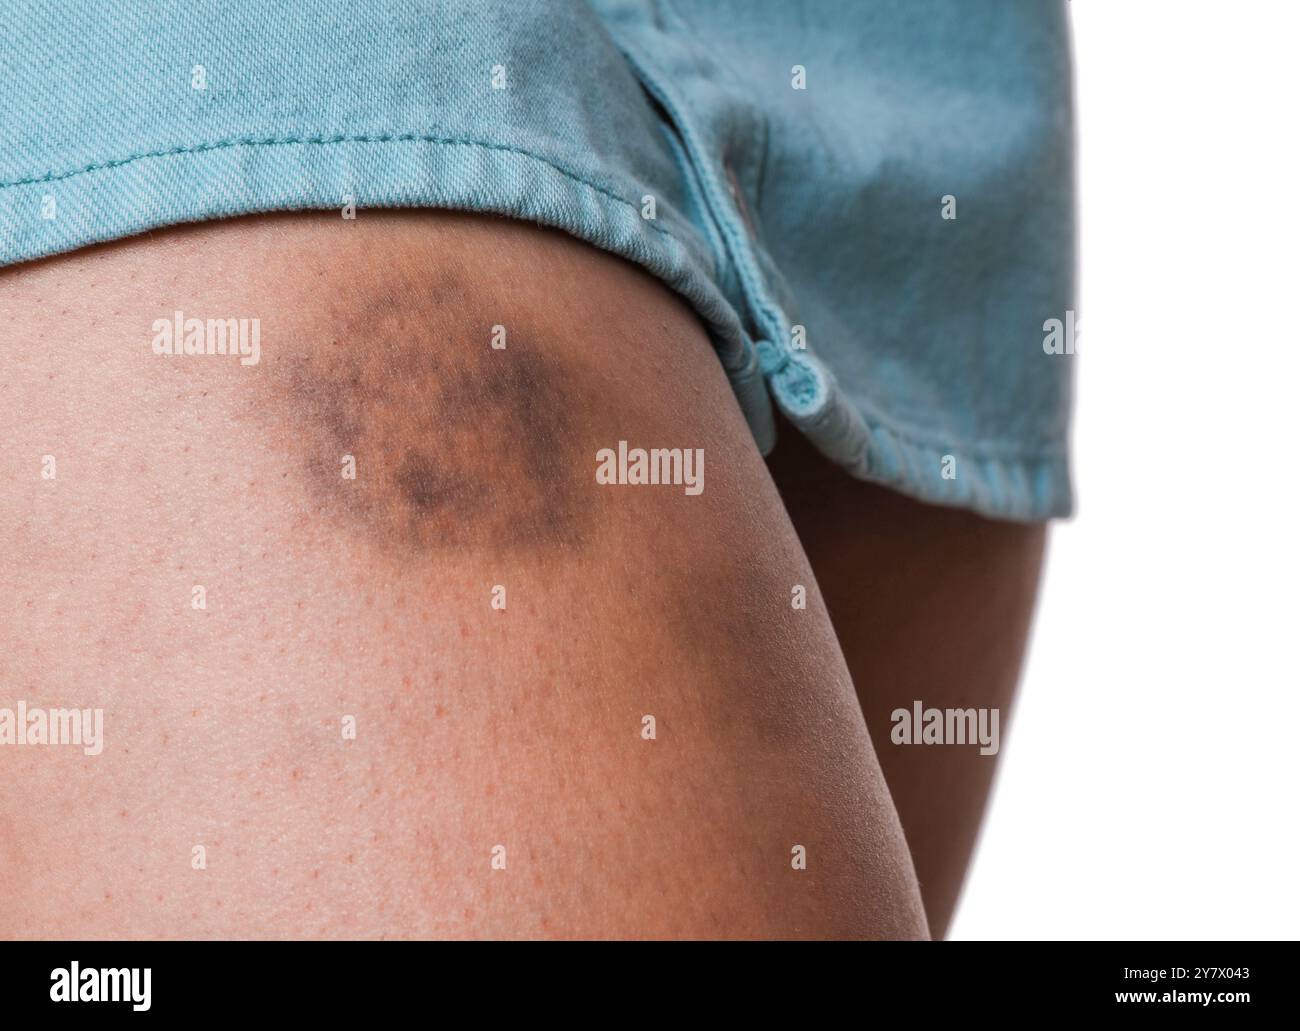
(1025, 488)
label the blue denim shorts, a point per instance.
(869, 204)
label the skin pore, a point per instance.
(500, 780)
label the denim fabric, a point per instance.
(803, 224)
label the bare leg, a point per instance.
(930, 604)
(501, 781)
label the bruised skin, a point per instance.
(412, 399)
(479, 732)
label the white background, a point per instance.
(1149, 786)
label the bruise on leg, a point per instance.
(456, 445)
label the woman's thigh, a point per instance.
(933, 607)
(376, 652)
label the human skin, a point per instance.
(328, 598)
(930, 604)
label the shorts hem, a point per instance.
(1015, 487)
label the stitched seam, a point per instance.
(739, 246)
(917, 436)
(690, 183)
(989, 451)
(759, 113)
(322, 140)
